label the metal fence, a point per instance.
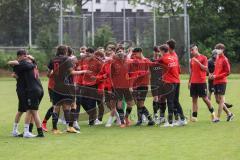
(145, 31)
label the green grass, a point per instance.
(201, 140)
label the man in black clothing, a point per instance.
(33, 92)
(61, 67)
(21, 93)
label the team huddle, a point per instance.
(118, 79)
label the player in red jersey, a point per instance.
(197, 82)
(219, 77)
(178, 111)
(121, 86)
(171, 77)
(139, 70)
(105, 87)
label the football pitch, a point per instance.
(196, 141)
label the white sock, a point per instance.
(26, 128)
(118, 118)
(15, 126)
(110, 119)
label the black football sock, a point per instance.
(54, 120)
(73, 115)
(48, 114)
(194, 114)
(139, 113)
(100, 111)
(78, 111)
(67, 115)
(162, 109)
(155, 107)
(146, 113)
(211, 110)
(170, 118)
(30, 127)
(128, 111)
(228, 105)
(121, 115)
(40, 132)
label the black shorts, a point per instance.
(198, 90)
(161, 89)
(109, 95)
(51, 94)
(59, 98)
(34, 99)
(87, 103)
(220, 89)
(140, 93)
(121, 93)
(22, 101)
(210, 86)
(155, 91)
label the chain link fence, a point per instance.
(77, 31)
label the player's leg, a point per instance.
(202, 92)
(194, 108)
(22, 99)
(26, 133)
(49, 111)
(129, 100)
(182, 121)
(111, 104)
(194, 95)
(100, 105)
(210, 107)
(119, 95)
(162, 106)
(34, 111)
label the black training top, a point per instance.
(156, 74)
(20, 86)
(61, 70)
(30, 74)
(211, 65)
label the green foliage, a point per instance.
(47, 39)
(213, 22)
(4, 58)
(40, 57)
(103, 35)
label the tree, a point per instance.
(103, 35)
(164, 7)
(80, 4)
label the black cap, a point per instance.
(21, 52)
(137, 50)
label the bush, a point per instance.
(103, 35)
(41, 59)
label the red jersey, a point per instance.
(174, 54)
(51, 82)
(222, 70)
(92, 64)
(198, 75)
(104, 77)
(119, 73)
(139, 72)
(172, 68)
(78, 78)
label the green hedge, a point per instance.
(41, 58)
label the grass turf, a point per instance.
(201, 140)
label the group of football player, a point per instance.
(119, 78)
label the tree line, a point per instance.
(210, 21)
